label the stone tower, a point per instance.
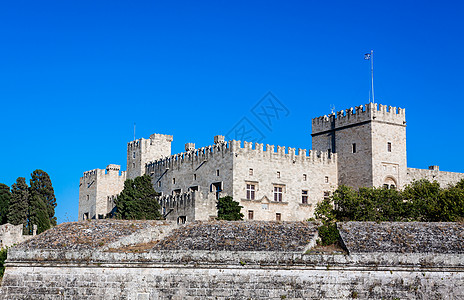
(141, 151)
(370, 142)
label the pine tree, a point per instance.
(19, 202)
(41, 185)
(228, 209)
(137, 201)
(5, 199)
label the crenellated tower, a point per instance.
(142, 151)
(370, 142)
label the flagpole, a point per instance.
(372, 75)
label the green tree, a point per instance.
(5, 199)
(38, 213)
(228, 209)
(138, 200)
(422, 197)
(18, 212)
(41, 186)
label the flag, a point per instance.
(367, 56)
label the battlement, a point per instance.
(248, 148)
(359, 114)
(176, 201)
(111, 170)
(154, 138)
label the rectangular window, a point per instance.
(389, 147)
(278, 217)
(326, 195)
(177, 192)
(217, 172)
(278, 193)
(133, 155)
(159, 183)
(250, 191)
(193, 188)
(305, 177)
(173, 181)
(250, 215)
(304, 196)
(194, 176)
(326, 179)
(278, 174)
(250, 172)
(353, 147)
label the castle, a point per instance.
(364, 146)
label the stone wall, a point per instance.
(259, 260)
(443, 178)
(97, 191)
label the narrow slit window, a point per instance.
(389, 147)
(353, 147)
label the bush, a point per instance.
(3, 255)
(328, 234)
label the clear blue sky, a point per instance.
(76, 75)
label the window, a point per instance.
(353, 147)
(173, 181)
(326, 195)
(389, 147)
(250, 191)
(250, 172)
(176, 192)
(305, 177)
(250, 215)
(217, 172)
(193, 188)
(278, 174)
(304, 196)
(133, 155)
(278, 217)
(100, 217)
(216, 187)
(159, 183)
(133, 165)
(278, 193)
(326, 179)
(85, 216)
(88, 197)
(181, 219)
(194, 176)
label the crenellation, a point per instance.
(360, 146)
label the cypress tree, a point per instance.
(19, 202)
(38, 214)
(5, 199)
(41, 185)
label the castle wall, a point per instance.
(442, 177)
(248, 275)
(13, 234)
(295, 172)
(97, 190)
(142, 151)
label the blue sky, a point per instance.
(76, 75)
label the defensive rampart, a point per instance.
(230, 260)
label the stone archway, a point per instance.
(390, 182)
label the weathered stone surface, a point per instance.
(403, 237)
(90, 271)
(87, 234)
(241, 236)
